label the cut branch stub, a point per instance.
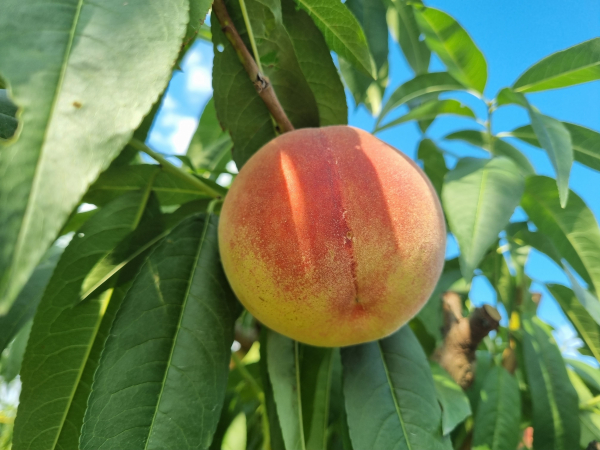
(462, 335)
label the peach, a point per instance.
(332, 237)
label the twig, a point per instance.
(263, 86)
(174, 170)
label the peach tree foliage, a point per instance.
(122, 339)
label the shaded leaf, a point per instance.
(82, 92)
(586, 142)
(445, 37)
(316, 65)
(454, 402)
(498, 147)
(342, 32)
(8, 120)
(28, 299)
(390, 395)
(575, 65)
(363, 89)
(573, 230)
(10, 363)
(479, 197)
(497, 423)
(417, 87)
(585, 325)
(434, 164)
(406, 32)
(590, 375)
(431, 110)
(198, 11)
(556, 140)
(555, 402)
(63, 334)
(154, 381)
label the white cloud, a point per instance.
(199, 80)
(182, 135)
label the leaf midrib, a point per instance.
(299, 395)
(546, 80)
(36, 179)
(181, 314)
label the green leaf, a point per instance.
(198, 11)
(498, 147)
(342, 32)
(317, 65)
(12, 358)
(497, 423)
(166, 360)
(507, 96)
(589, 374)
(572, 230)
(455, 403)
(372, 17)
(239, 108)
(117, 181)
(434, 164)
(209, 142)
(84, 76)
(479, 197)
(28, 299)
(445, 37)
(405, 31)
(586, 142)
(431, 110)
(575, 65)
(8, 120)
(583, 322)
(496, 269)
(587, 300)
(77, 220)
(556, 140)
(64, 330)
(283, 360)
(390, 395)
(555, 402)
(235, 436)
(417, 87)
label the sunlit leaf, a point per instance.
(454, 46)
(497, 423)
(404, 29)
(479, 197)
(390, 395)
(555, 402)
(454, 402)
(575, 65)
(589, 374)
(165, 363)
(84, 75)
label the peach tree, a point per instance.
(119, 320)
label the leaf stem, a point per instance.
(263, 86)
(591, 403)
(174, 170)
(250, 34)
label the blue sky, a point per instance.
(512, 35)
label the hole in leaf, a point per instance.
(220, 48)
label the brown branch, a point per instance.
(462, 335)
(263, 86)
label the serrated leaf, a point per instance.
(239, 108)
(317, 65)
(555, 402)
(446, 38)
(479, 197)
(584, 323)
(454, 402)
(434, 164)
(64, 330)
(154, 382)
(573, 230)
(28, 299)
(372, 17)
(498, 147)
(417, 87)
(198, 11)
(575, 65)
(586, 142)
(8, 120)
(390, 395)
(342, 32)
(82, 91)
(430, 110)
(170, 190)
(497, 422)
(405, 31)
(556, 140)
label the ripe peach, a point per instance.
(332, 237)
